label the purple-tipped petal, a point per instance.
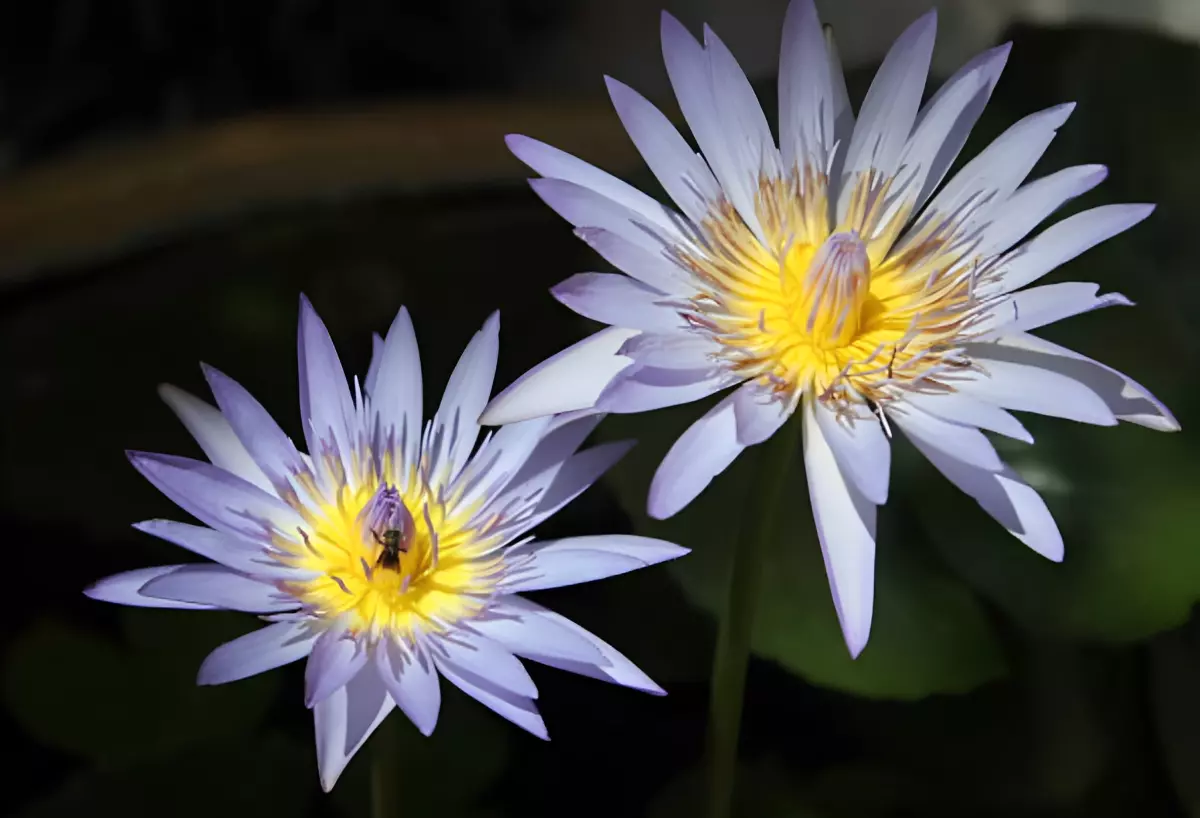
(345, 720)
(214, 434)
(412, 681)
(568, 381)
(705, 450)
(617, 300)
(242, 555)
(326, 407)
(557, 563)
(271, 449)
(397, 397)
(216, 585)
(457, 420)
(336, 658)
(125, 588)
(257, 652)
(845, 522)
(610, 666)
(216, 497)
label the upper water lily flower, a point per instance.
(833, 275)
(394, 551)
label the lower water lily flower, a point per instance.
(393, 552)
(836, 276)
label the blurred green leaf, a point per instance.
(764, 790)
(268, 777)
(77, 691)
(445, 774)
(930, 634)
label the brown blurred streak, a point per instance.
(104, 201)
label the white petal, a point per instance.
(208, 584)
(553, 163)
(861, 449)
(1126, 398)
(964, 443)
(412, 680)
(396, 395)
(701, 453)
(345, 720)
(845, 522)
(651, 266)
(517, 709)
(1014, 380)
(806, 103)
(1063, 241)
(1005, 497)
(682, 173)
(336, 658)
(617, 300)
(1039, 306)
(258, 651)
(571, 561)
(886, 117)
(758, 416)
(476, 656)
(1033, 203)
(214, 434)
(466, 395)
(610, 666)
(570, 380)
(959, 408)
(124, 589)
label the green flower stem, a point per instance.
(737, 624)
(385, 770)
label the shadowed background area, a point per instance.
(176, 173)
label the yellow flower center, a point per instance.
(430, 573)
(838, 312)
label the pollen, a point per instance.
(839, 310)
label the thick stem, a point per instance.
(737, 622)
(385, 770)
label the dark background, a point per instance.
(176, 173)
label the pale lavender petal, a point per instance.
(216, 585)
(607, 666)
(758, 416)
(1063, 241)
(397, 397)
(571, 561)
(705, 450)
(671, 350)
(1126, 398)
(682, 173)
(373, 368)
(570, 380)
(1005, 497)
(345, 720)
(217, 498)
(517, 709)
(964, 443)
(1033, 202)
(585, 208)
(214, 434)
(1013, 379)
(553, 163)
(806, 103)
(466, 395)
(617, 300)
(525, 632)
(124, 588)
(336, 658)
(845, 522)
(889, 110)
(861, 449)
(476, 656)
(499, 460)
(566, 482)
(1039, 306)
(234, 552)
(326, 408)
(959, 408)
(271, 449)
(257, 652)
(643, 388)
(653, 267)
(412, 681)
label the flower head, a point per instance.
(833, 275)
(393, 552)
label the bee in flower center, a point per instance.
(392, 544)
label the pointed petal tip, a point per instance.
(855, 644)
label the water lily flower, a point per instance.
(836, 276)
(393, 552)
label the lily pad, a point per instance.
(930, 634)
